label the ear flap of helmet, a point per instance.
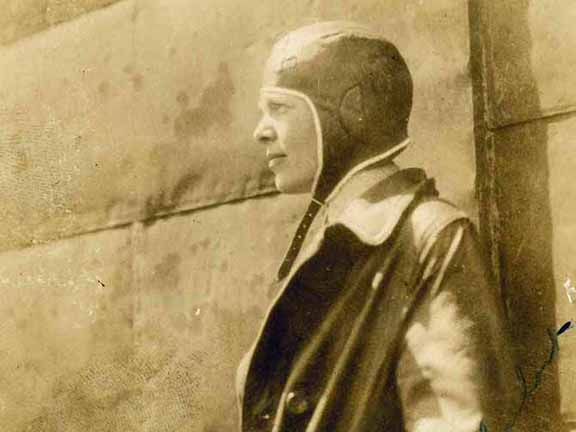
(352, 113)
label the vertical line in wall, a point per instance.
(136, 227)
(136, 239)
(486, 176)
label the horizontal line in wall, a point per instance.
(552, 115)
(185, 208)
(26, 34)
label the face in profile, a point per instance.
(287, 131)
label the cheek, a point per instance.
(297, 136)
(284, 134)
(308, 143)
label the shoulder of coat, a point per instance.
(428, 219)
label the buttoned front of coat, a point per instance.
(387, 321)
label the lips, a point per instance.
(275, 159)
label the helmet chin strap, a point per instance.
(297, 241)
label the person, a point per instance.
(386, 318)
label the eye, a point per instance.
(278, 107)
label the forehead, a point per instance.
(273, 96)
(268, 97)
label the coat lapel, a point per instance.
(374, 213)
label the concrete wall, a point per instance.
(525, 63)
(138, 230)
(21, 18)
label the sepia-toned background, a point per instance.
(139, 229)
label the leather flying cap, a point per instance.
(360, 88)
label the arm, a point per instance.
(455, 368)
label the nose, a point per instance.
(264, 132)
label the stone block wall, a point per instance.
(139, 230)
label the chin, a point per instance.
(287, 187)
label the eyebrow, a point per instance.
(273, 100)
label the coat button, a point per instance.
(296, 403)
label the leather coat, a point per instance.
(387, 321)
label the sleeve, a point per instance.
(455, 370)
